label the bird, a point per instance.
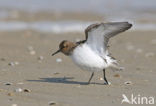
(92, 54)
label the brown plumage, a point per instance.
(67, 47)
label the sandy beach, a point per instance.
(30, 76)
(31, 31)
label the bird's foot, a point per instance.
(107, 83)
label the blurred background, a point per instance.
(59, 16)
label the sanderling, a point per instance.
(92, 54)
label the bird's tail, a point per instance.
(113, 64)
(115, 67)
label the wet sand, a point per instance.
(26, 63)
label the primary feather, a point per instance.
(98, 35)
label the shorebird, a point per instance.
(92, 53)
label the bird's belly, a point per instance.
(87, 59)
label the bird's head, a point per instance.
(66, 47)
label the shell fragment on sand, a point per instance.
(58, 60)
(31, 50)
(18, 90)
(27, 90)
(128, 82)
(7, 83)
(52, 103)
(10, 94)
(13, 63)
(40, 58)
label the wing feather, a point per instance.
(98, 35)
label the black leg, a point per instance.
(91, 77)
(104, 77)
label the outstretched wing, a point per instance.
(97, 35)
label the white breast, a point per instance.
(87, 59)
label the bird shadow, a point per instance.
(64, 80)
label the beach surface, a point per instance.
(31, 31)
(30, 76)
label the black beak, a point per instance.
(56, 52)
